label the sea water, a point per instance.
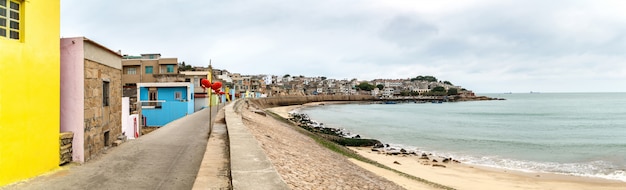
(581, 134)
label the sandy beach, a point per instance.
(304, 164)
(464, 176)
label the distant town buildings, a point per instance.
(272, 85)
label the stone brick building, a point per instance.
(91, 96)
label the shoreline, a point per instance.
(465, 176)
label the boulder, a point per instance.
(424, 156)
(446, 160)
(379, 145)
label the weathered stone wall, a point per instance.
(298, 100)
(100, 119)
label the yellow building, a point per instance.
(29, 88)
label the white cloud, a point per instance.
(486, 45)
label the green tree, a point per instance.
(380, 86)
(365, 86)
(453, 91)
(405, 93)
(425, 78)
(447, 82)
(323, 78)
(287, 75)
(438, 89)
(184, 67)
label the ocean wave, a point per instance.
(595, 169)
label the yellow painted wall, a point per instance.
(29, 94)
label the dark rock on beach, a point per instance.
(446, 160)
(439, 165)
(338, 136)
(379, 145)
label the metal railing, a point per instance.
(152, 104)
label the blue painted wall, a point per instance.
(171, 109)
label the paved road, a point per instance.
(168, 158)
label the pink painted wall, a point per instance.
(73, 93)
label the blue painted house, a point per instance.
(162, 103)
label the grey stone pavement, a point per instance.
(168, 158)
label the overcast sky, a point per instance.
(483, 45)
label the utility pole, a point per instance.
(210, 77)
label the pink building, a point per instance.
(91, 96)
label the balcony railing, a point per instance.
(152, 104)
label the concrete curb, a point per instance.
(250, 167)
(214, 172)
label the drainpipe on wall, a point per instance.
(139, 111)
(140, 71)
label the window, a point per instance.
(10, 19)
(131, 71)
(148, 69)
(153, 97)
(151, 56)
(105, 93)
(178, 95)
(152, 94)
(187, 80)
(170, 68)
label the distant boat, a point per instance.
(389, 102)
(508, 93)
(534, 92)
